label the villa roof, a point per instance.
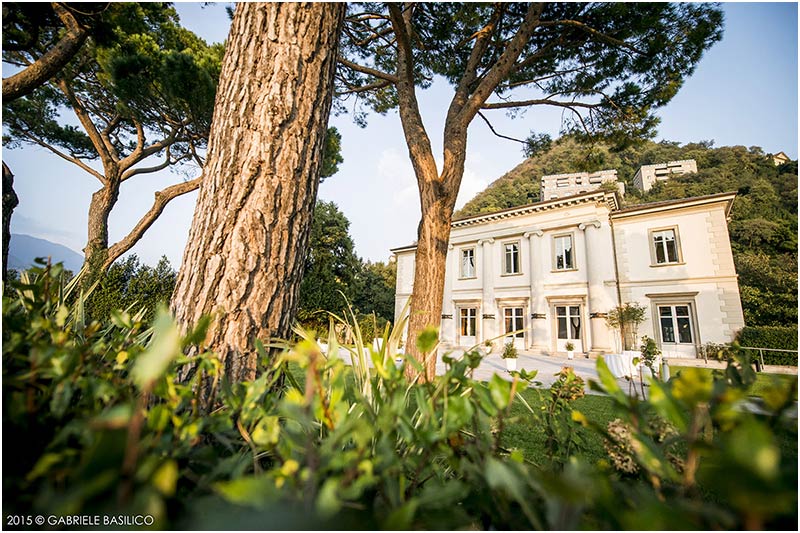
(677, 204)
(610, 198)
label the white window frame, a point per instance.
(465, 315)
(568, 316)
(654, 247)
(517, 264)
(676, 320)
(565, 268)
(517, 317)
(461, 270)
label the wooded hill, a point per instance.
(763, 223)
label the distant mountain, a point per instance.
(23, 249)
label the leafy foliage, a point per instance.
(331, 265)
(609, 65)
(335, 277)
(782, 338)
(132, 286)
(109, 429)
(141, 87)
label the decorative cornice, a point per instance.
(609, 199)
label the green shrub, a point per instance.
(110, 429)
(782, 338)
(134, 286)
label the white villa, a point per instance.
(549, 272)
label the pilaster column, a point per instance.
(595, 291)
(488, 309)
(538, 339)
(449, 319)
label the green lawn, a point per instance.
(524, 433)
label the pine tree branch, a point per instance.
(86, 121)
(44, 68)
(162, 198)
(486, 120)
(504, 65)
(72, 159)
(367, 70)
(593, 32)
(542, 101)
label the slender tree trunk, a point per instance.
(96, 251)
(10, 201)
(244, 258)
(437, 201)
(429, 275)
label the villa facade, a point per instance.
(548, 273)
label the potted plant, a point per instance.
(570, 350)
(626, 318)
(488, 345)
(510, 355)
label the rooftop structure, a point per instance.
(557, 186)
(648, 175)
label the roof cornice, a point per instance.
(683, 203)
(609, 198)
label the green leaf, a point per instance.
(427, 340)
(267, 431)
(255, 492)
(608, 382)
(666, 406)
(43, 465)
(500, 477)
(163, 349)
(165, 478)
(500, 391)
(328, 503)
(401, 518)
(459, 412)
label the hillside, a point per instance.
(23, 249)
(763, 223)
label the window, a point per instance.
(468, 263)
(511, 258)
(665, 246)
(569, 321)
(676, 324)
(514, 321)
(564, 256)
(467, 317)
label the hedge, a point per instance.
(783, 338)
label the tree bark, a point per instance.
(96, 251)
(245, 254)
(10, 201)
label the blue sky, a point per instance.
(743, 92)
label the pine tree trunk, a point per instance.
(244, 258)
(429, 275)
(438, 195)
(10, 201)
(96, 251)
